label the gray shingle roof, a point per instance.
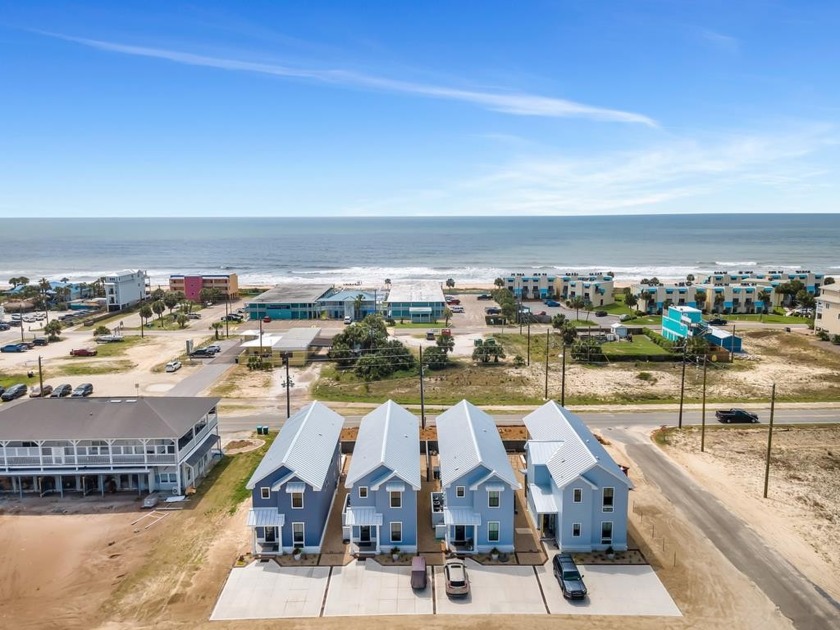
(102, 418)
(576, 450)
(388, 436)
(305, 446)
(468, 438)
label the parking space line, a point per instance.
(542, 592)
(326, 592)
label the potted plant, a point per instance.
(395, 553)
(297, 552)
(610, 552)
(494, 554)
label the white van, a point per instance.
(348, 319)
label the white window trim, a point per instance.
(498, 525)
(490, 494)
(577, 495)
(607, 508)
(363, 492)
(460, 492)
(265, 492)
(302, 534)
(391, 497)
(293, 500)
(607, 541)
(391, 531)
(579, 529)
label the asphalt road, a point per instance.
(795, 595)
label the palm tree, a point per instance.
(764, 294)
(577, 303)
(357, 306)
(182, 320)
(145, 314)
(216, 327)
(158, 307)
(450, 283)
(499, 283)
(718, 301)
(44, 286)
(447, 315)
(689, 277)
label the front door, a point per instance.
(460, 533)
(548, 521)
(270, 534)
(364, 534)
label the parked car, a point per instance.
(492, 310)
(202, 353)
(457, 309)
(83, 352)
(485, 296)
(266, 319)
(552, 303)
(60, 391)
(41, 341)
(15, 347)
(15, 322)
(418, 573)
(348, 319)
(15, 391)
(109, 338)
(568, 576)
(717, 321)
(38, 392)
(601, 313)
(85, 389)
(214, 348)
(735, 415)
(193, 315)
(431, 335)
(457, 580)
(233, 317)
(453, 301)
(4, 326)
(2, 389)
(173, 366)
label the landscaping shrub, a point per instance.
(659, 340)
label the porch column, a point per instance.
(41, 454)
(101, 485)
(75, 443)
(59, 479)
(178, 467)
(378, 545)
(5, 457)
(111, 453)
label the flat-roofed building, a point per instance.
(297, 344)
(420, 301)
(828, 310)
(353, 303)
(227, 284)
(531, 285)
(288, 301)
(99, 445)
(656, 298)
(740, 297)
(595, 288)
(126, 288)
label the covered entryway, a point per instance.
(267, 525)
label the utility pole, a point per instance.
(529, 340)
(703, 416)
(769, 440)
(40, 376)
(682, 383)
(422, 397)
(547, 344)
(288, 385)
(261, 346)
(563, 378)
(227, 320)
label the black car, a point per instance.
(735, 415)
(717, 321)
(568, 576)
(4, 326)
(485, 296)
(202, 353)
(601, 313)
(61, 391)
(85, 389)
(15, 391)
(41, 341)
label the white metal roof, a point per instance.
(543, 499)
(364, 515)
(265, 517)
(305, 446)
(389, 436)
(577, 450)
(460, 516)
(292, 340)
(468, 438)
(417, 291)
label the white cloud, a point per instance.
(516, 103)
(723, 42)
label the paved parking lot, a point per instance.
(264, 590)
(368, 588)
(493, 589)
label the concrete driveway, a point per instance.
(264, 590)
(493, 589)
(613, 590)
(368, 588)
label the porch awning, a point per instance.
(295, 486)
(420, 309)
(395, 486)
(543, 499)
(460, 516)
(202, 450)
(265, 517)
(495, 487)
(364, 516)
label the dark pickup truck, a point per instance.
(735, 415)
(568, 576)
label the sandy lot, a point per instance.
(801, 515)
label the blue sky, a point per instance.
(418, 108)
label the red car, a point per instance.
(266, 319)
(83, 352)
(453, 301)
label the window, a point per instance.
(363, 492)
(575, 529)
(578, 495)
(608, 494)
(297, 534)
(396, 532)
(493, 531)
(606, 533)
(493, 498)
(460, 491)
(396, 499)
(265, 493)
(297, 500)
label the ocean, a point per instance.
(471, 250)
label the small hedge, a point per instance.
(659, 340)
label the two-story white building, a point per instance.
(125, 288)
(99, 445)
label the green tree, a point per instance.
(828, 280)
(765, 295)
(53, 329)
(445, 343)
(357, 306)
(718, 302)
(158, 307)
(568, 333)
(170, 300)
(435, 358)
(158, 294)
(577, 303)
(805, 299)
(689, 277)
(146, 314)
(340, 353)
(216, 327)
(588, 349)
(44, 287)
(101, 330)
(631, 300)
(487, 349)
(182, 320)
(450, 283)
(371, 368)
(700, 299)
(447, 315)
(18, 281)
(499, 283)
(558, 321)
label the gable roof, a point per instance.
(388, 436)
(468, 438)
(562, 441)
(305, 446)
(103, 418)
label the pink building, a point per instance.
(227, 284)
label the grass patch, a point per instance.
(92, 368)
(770, 318)
(7, 380)
(663, 435)
(640, 345)
(582, 322)
(234, 379)
(419, 325)
(118, 348)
